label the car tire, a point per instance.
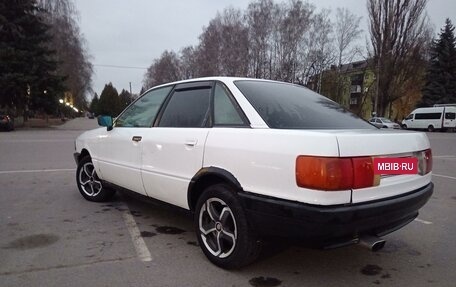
(404, 127)
(89, 185)
(430, 128)
(222, 228)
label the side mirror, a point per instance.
(105, 121)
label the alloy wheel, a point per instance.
(218, 227)
(89, 181)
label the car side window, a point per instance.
(378, 121)
(225, 112)
(142, 112)
(187, 108)
(409, 117)
(450, 116)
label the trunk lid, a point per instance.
(384, 143)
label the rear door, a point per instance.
(173, 149)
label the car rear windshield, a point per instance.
(287, 106)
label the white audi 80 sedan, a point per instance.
(255, 159)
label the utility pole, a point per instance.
(130, 89)
(378, 86)
(378, 82)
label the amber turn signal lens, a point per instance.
(334, 173)
(324, 173)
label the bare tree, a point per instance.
(188, 62)
(163, 70)
(209, 52)
(234, 44)
(347, 32)
(399, 35)
(292, 22)
(259, 18)
(223, 48)
(316, 52)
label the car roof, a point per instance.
(216, 78)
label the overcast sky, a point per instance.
(133, 33)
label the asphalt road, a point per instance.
(51, 236)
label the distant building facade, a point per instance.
(354, 86)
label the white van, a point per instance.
(435, 118)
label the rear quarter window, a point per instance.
(450, 116)
(288, 106)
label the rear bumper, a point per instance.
(332, 225)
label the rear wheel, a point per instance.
(222, 228)
(430, 128)
(89, 185)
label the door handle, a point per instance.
(191, 143)
(137, 138)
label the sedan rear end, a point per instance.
(335, 197)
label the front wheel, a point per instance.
(222, 229)
(89, 185)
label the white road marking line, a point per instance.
(138, 242)
(422, 221)
(36, 170)
(444, 176)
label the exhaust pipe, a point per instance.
(374, 243)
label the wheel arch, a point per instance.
(84, 152)
(208, 176)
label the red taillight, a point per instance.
(428, 160)
(334, 173)
(424, 161)
(363, 172)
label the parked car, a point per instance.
(6, 122)
(254, 159)
(384, 123)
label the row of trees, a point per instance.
(42, 56)
(110, 101)
(292, 41)
(288, 41)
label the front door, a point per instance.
(119, 151)
(119, 158)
